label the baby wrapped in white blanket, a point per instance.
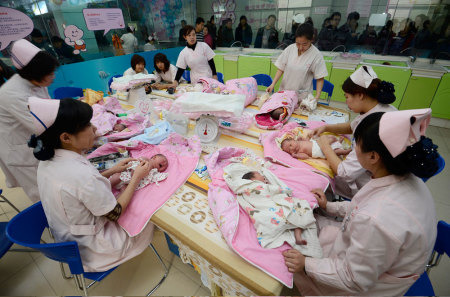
(273, 210)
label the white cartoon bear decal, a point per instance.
(73, 36)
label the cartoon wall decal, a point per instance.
(73, 36)
(224, 8)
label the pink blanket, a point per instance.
(210, 85)
(246, 86)
(236, 225)
(286, 99)
(183, 155)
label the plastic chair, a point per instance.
(220, 77)
(187, 76)
(441, 164)
(423, 286)
(111, 80)
(263, 79)
(65, 92)
(26, 229)
(327, 88)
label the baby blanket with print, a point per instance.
(285, 100)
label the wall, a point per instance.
(86, 74)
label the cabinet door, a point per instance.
(399, 77)
(218, 61)
(419, 92)
(337, 78)
(248, 66)
(273, 71)
(230, 69)
(441, 101)
(329, 68)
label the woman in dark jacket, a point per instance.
(243, 32)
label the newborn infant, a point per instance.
(158, 164)
(119, 127)
(255, 175)
(279, 114)
(309, 148)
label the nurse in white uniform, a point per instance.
(76, 198)
(365, 94)
(388, 230)
(198, 56)
(137, 66)
(129, 41)
(164, 71)
(300, 63)
(35, 70)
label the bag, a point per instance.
(179, 122)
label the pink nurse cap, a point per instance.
(396, 131)
(44, 112)
(22, 51)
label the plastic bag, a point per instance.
(179, 122)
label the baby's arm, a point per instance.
(301, 156)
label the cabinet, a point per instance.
(218, 60)
(337, 78)
(273, 71)
(441, 101)
(230, 68)
(419, 92)
(399, 77)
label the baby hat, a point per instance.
(22, 51)
(44, 112)
(364, 76)
(400, 129)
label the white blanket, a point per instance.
(215, 104)
(274, 212)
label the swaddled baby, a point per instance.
(278, 217)
(158, 164)
(300, 145)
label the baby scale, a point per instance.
(207, 128)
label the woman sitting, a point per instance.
(164, 71)
(137, 66)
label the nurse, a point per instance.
(300, 63)
(388, 230)
(164, 71)
(198, 56)
(365, 93)
(137, 66)
(129, 41)
(35, 72)
(76, 198)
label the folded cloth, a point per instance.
(124, 83)
(194, 104)
(155, 134)
(273, 209)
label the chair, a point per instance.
(64, 92)
(263, 79)
(111, 80)
(220, 77)
(26, 229)
(3, 199)
(423, 286)
(327, 88)
(187, 76)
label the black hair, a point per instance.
(382, 91)
(309, 21)
(272, 16)
(426, 24)
(136, 59)
(421, 158)
(353, 16)
(187, 30)
(276, 113)
(183, 21)
(55, 39)
(211, 18)
(159, 57)
(305, 30)
(36, 33)
(73, 116)
(129, 30)
(336, 13)
(249, 175)
(199, 20)
(40, 66)
(324, 21)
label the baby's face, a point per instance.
(290, 146)
(119, 127)
(260, 177)
(159, 162)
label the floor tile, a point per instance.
(29, 281)
(187, 270)
(202, 291)
(13, 262)
(445, 132)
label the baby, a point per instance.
(255, 175)
(119, 127)
(309, 148)
(158, 164)
(279, 114)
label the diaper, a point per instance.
(317, 152)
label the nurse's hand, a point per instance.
(320, 130)
(215, 77)
(142, 170)
(122, 165)
(294, 260)
(270, 88)
(321, 198)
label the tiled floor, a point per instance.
(33, 274)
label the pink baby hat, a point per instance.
(44, 112)
(22, 51)
(364, 76)
(397, 132)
